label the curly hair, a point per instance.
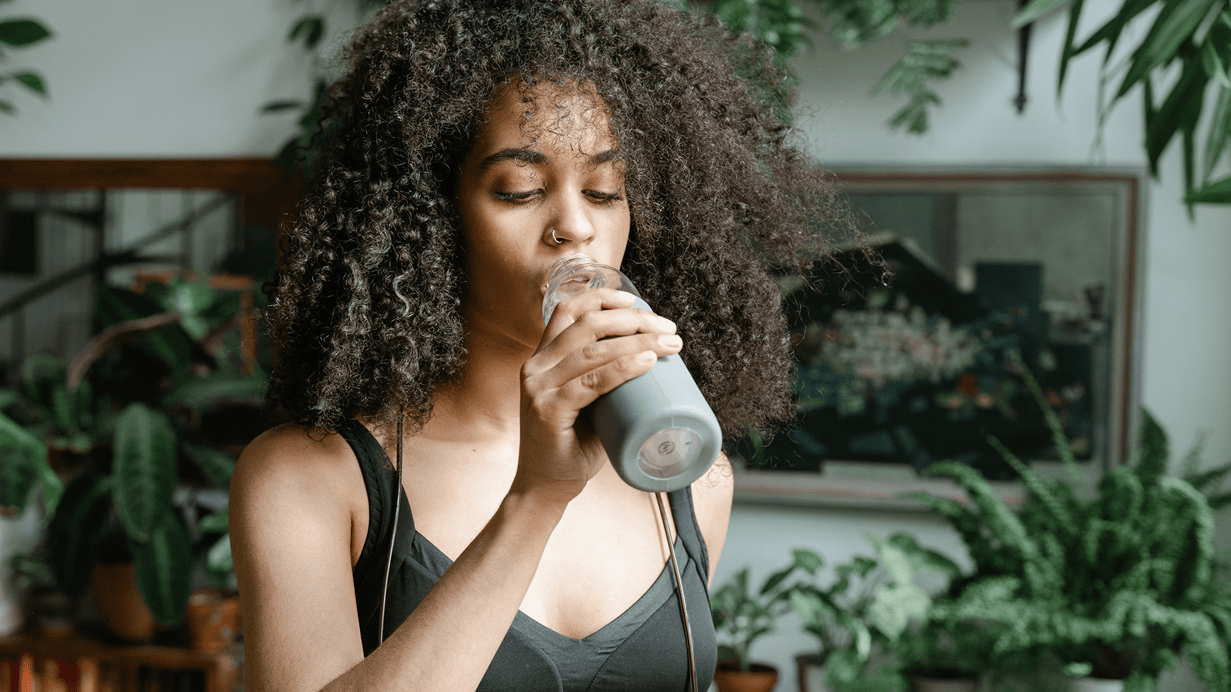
(366, 305)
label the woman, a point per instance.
(470, 145)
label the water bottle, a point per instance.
(657, 429)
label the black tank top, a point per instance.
(642, 649)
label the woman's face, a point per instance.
(550, 164)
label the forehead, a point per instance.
(564, 115)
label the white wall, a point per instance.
(178, 78)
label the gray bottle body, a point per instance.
(657, 429)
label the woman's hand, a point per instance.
(594, 342)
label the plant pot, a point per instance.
(1095, 685)
(923, 684)
(120, 603)
(212, 618)
(53, 614)
(811, 673)
(759, 678)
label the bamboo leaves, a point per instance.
(1197, 34)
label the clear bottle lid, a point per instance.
(577, 274)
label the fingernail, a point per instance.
(670, 341)
(647, 356)
(666, 323)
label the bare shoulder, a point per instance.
(289, 472)
(291, 460)
(711, 498)
(295, 501)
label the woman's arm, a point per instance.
(294, 503)
(711, 500)
(292, 542)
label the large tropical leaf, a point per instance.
(218, 387)
(144, 469)
(164, 569)
(23, 462)
(77, 529)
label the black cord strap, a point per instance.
(397, 504)
(679, 590)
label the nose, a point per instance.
(570, 225)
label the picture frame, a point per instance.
(896, 372)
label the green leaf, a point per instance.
(775, 579)
(8, 397)
(144, 468)
(311, 27)
(1110, 32)
(215, 388)
(164, 569)
(32, 81)
(807, 560)
(21, 465)
(1175, 23)
(1070, 36)
(218, 560)
(279, 106)
(1153, 451)
(216, 465)
(216, 522)
(22, 32)
(1217, 192)
(1218, 136)
(77, 528)
(1035, 10)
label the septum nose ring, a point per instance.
(559, 241)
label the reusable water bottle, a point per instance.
(657, 429)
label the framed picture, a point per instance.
(920, 351)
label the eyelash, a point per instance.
(600, 198)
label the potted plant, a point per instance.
(120, 524)
(1115, 586)
(741, 617)
(869, 600)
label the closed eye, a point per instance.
(603, 198)
(515, 196)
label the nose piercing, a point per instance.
(559, 241)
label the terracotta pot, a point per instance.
(811, 673)
(1096, 685)
(120, 603)
(212, 618)
(921, 684)
(759, 678)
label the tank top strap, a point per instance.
(690, 532)
(381, 483)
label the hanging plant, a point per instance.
(21, 33)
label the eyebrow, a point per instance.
(532, 157)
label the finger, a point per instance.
(596, 325)
(600, 353)
(581, 391)
(569, 309)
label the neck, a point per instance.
(484, 400)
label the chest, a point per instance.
(605, 554)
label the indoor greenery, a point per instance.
(1188, 38)
(1192, 37)
(1117, 585)
(162, 364)
(869, 600)
(21, 32)
(741, 615)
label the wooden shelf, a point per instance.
(85, 664)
